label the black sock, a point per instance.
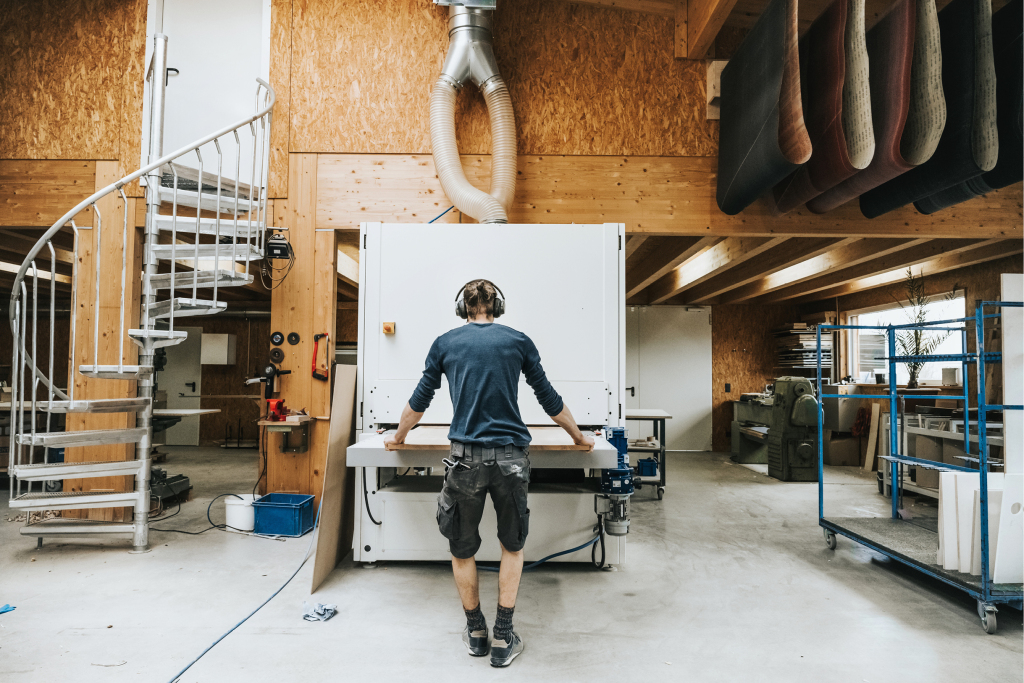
(475, 619)
(503, 623)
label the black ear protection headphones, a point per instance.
(460, 301)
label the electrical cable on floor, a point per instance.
(262, 441)
(366, 499)
(208, 519)
(305, 558)
(441, 214)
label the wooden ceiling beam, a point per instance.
(778, 258)
(987, 251)
(724, 255)
(658, 256)
(900, 259)
(703, 21)
(633, 242)
(850, 254)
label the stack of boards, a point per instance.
(797, 346)
(960, 525)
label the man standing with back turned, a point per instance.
(490, 448)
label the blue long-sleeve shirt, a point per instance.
(482, 363)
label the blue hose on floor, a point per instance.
(305, 557)
(541, 561)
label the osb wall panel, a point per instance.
(252, 339)
(71, 78)
(347, 327)
(653, 195)
(280, 81)
(742, 355)
(583, 80)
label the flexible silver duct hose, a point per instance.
(470, 57)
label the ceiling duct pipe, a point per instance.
(471, 58)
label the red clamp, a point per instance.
(322, 376)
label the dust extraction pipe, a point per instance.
(471, 58)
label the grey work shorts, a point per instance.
(504, 472)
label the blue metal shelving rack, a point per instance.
(893, 537)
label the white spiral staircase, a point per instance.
(212, 253)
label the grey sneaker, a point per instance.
(477, 642)
(504, 651)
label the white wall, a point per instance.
(668, 360)
(220, 47)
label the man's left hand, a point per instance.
(586, 439)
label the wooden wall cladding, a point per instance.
(252, 339)
(651, 195)
(742, 355)
(72, 86)
(583, 80)
(38, 193)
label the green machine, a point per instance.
(792, 449)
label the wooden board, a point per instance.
(431, 437)
(334, 535)
(869, 459)
(651, 195)
(183, 412)
(280, 81)
(647, 414)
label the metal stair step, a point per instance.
(208, 201)
(55, 471)
(74, 500)
(208, 252)
(202, 278)
(186, 225)
(59, 528)
(159, 338)
(96, 405)
(191, 174)
(116, 371)
(95, 437)
(186, 307)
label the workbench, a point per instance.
(657, 418)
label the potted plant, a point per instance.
(918, 342)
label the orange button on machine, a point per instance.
(389, 328)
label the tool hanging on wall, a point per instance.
(276, 355)
(293, 338)
(322, 376)
(277, 338)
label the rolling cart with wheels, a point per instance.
(896, 537)
(657, 418)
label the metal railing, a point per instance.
(209, 192)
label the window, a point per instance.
(868, 352)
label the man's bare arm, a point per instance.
(565, 420)
(410, 418)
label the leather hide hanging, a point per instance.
(1008, 51)
(968, 146)
(762, 135)
(890, 53)
(836, 98)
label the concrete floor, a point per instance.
(728, 579)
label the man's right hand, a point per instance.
(585, 439)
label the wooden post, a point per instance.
(305, 303)
(108, 308)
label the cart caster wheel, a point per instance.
(830, 539)
(988, 617)
(661, 492)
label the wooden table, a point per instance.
(657, 418)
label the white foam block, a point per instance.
(1008, 566)
(948, 545)
(995, 500)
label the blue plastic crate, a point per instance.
(647, 467)
(284, 514)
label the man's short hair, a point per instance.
(479, 297)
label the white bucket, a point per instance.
(238, 512)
